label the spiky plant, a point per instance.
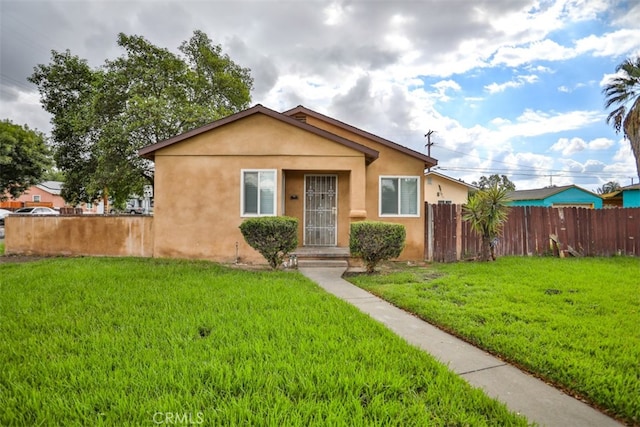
(487, 211)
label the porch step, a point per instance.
(322, 263)
(320, 256)
(321, 252)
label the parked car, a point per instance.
(128, 210)
(38, 210)
(3, 213)
(134, 210)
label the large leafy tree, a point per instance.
(500, 180)
(487, 211)
(24, 158)
(101, 117)
(623, 94)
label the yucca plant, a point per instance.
(487, 211)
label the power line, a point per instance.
(530, 173)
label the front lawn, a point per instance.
(575, 322)
(100, 341)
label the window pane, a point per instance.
(409, 196)
(251, 192)
(267, 192)
(389, 196)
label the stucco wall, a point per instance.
(197, 186)
(79, 235)
(438, 189)
(631, 198)
(390, 163)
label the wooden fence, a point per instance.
(533, 230)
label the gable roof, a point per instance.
(52, 187)
(369, 153)
(542, 193)
(301, 111)
(619, 192)
(453, 180)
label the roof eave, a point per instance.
(149, 152)
(429, 162)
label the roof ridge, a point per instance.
(361, 132)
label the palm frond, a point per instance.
(623, 93)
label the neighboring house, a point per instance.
(47, 193)
(439, 188)
(298, 163)
(557, 197)
(626, 197)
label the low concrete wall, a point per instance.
(119, 235)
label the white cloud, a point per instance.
(582, 10)
(575, 145)
(621, 42)
(600, 144)
(533, 123)
(25, 109)
(624, 153)
(593, 166)
(443, 86)
(545, 50)
(334, 14)
(569, 146)
(496, 88)
(518, 82)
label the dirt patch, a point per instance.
(7, 259)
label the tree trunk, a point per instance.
(485, 253)
(105, 201)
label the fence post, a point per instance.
(458, 236)
(430, 237)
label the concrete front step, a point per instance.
(321, 252)
(322, 263)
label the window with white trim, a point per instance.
(399, 196)
(258, 196)
(36, 198)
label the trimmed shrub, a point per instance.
(273, 236)
(376, 241)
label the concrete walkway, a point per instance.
(521, 392)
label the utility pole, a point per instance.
(429, 143)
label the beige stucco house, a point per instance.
(439, 188)
(298, 163)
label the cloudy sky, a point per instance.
(509, 86)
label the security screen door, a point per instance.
(320, 210)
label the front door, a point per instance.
(320, 210)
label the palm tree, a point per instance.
(623, 92)
(609, 187)
(487, 212)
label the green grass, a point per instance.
(99, 341)
(575, 322)
(2, 248)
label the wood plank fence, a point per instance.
(529, 231)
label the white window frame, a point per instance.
(243, 214)
(36, 198)
(399, 177)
